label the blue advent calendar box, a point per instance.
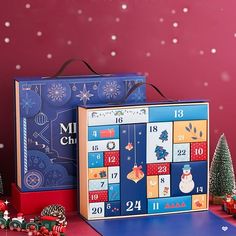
(46, 125)
(137, 160)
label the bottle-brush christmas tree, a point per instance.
(222, 179)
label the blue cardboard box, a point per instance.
(46, 124)
(143, 159)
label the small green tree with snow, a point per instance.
(222, 179)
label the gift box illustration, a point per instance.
(157, 158)
(46, 124)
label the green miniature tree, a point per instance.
(222, 179)
(1, 185)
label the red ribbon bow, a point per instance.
(137, 170)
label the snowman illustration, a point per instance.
(186, 184)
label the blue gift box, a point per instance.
(46, 124)
(142, 159)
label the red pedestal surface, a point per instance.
(34, 202)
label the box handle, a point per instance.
(70, 61)
(141, 84)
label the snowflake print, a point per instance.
(84, 95)
(57, 92)
(27, 103)
(111, 89)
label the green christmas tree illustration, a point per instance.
(222, 179)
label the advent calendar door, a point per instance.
(159, 142)
(133, 169)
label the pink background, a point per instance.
(187, 48)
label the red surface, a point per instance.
(216, 209)
(34, 202)
(187, 48)
(76, 227)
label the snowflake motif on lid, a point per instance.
(84, 95)
(56, 92)
(111, 89)
(27, 103)
(30, 103)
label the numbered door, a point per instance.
(171, 204)
(178, 113)
(190, 131)
(164, 185)
(133, 169)
(96, 209)
(159, 142)
(181, 152)
(189, 178)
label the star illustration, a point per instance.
(84, 95)
(6, 202)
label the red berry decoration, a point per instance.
(46, 231)
(3, 206)
(42, 228)
(54, 233)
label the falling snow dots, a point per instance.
(39, 33)
(175, 40)
(175, 24)
(221, 107)
(7, 40)
(79, 11)
(124, 6)
(148, 54)
(163, 42)
(7, 24)
(161, 20)
(113, 53)
(185, 10)
(18, 67)
(90, 19)
(201, 52)
(146, 74)
(213, 50)
(69, 42)
(113, 37)
(173, 11)
(225, 77)
(49, 56)
(205, 84)
(117, 19)
(1, 145)
(27, 6)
